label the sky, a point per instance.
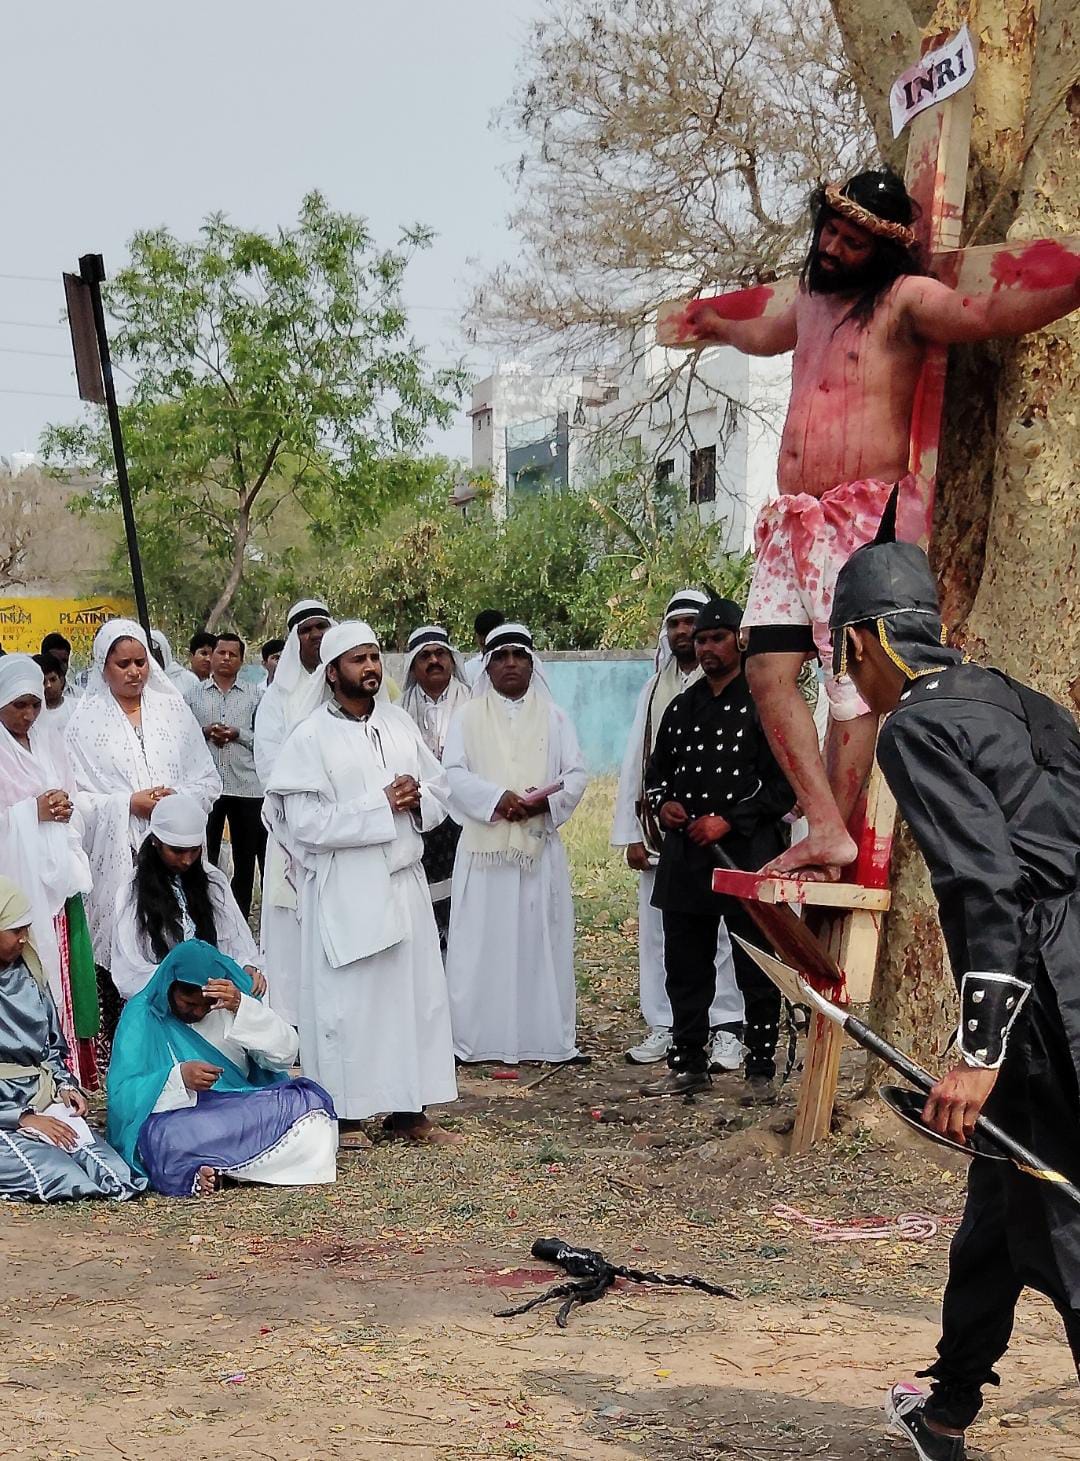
(130, 115)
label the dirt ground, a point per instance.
(357, 1321)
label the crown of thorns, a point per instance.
(856, 213)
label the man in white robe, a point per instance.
(516, 774)
(279, 712)
(435, 688)
(634, 828)
(356, 788)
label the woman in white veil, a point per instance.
(132, 740)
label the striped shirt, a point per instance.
(234, 707)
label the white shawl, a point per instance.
(509, 749)
(110, 765)
(45, 859)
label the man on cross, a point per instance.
(860, 324)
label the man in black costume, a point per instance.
(986, 772)
(712, 781)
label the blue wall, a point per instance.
(599, 696)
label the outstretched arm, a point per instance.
(736, 319)
(947, 316)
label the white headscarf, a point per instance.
(104, 640)
(46, 857)
(337, 640)
(684, 602)
(291, 674)
(179, 821)
(518, 635)
(431, 720)
(20, 674)
(170, 664)
(423, 638)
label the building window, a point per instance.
(703, 474)
(665, 470)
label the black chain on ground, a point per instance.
(595, 1275)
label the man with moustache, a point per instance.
(713, 781)
(355, 788)
(516, 774)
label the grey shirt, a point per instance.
(235, 707)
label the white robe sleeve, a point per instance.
(570, 770)
(200, 778)
(269, 733)
(326, 826)
(434, 790)
(175, 1096)
(130, 968)
(625, 827)
(265, 1036)
(234, 936)
(470, 795)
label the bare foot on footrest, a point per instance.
(817, 858)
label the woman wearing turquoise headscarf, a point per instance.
(197, 1084)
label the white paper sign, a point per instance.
(935, 77)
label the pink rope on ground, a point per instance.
(911, 1227)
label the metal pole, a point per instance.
(92, 272)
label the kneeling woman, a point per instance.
(47, 1151)
(197, 1089)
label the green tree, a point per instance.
(274, 384)
(578, 568)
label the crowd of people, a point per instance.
(416, 909)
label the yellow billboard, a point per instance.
(24, 622)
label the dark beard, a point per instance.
(840, 281)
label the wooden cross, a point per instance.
(847, 916)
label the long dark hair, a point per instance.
(157, 912)
(883, 194)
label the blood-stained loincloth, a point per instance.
(802, 542)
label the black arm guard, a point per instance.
(989, 1005)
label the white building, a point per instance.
(718, 440)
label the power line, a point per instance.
(31, 325)
(52, 395)
(41, 354)
(33, 278)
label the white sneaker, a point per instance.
(654, 1047)
(726, 1052)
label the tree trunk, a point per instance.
(236, 571)
(1006, 539)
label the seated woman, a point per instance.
(197, 1089)
(47, 1151)
(174, 894)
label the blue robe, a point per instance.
(245, 1116)
(33, 1170)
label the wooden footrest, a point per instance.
(767, 888)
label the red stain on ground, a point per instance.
(1042, 265)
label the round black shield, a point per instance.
(908, 1105)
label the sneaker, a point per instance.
(654, 1047)
(904, 1412)
(678, 1083)
(726, 1051)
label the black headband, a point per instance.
(311, 612)
(418, 639)
(512, 634)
